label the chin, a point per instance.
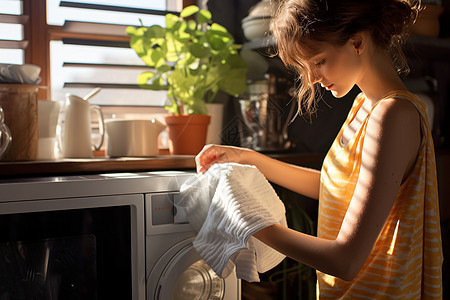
(336, 94)
(339, 93)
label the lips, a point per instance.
(327, 87)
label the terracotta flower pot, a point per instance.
(187, 133)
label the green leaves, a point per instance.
(189, 11)
(204, 16)
(172, 21)
(200, 50)
(192, 58)
(151, 80)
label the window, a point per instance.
(12, 44)
(82, 44)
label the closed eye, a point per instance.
(321, 62)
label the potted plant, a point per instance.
(193, 59)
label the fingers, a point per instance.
(206, 167)
(206, 158)
(212, 154)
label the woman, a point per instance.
(378, 229)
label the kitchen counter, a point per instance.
(126, 164)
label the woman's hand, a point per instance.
(212, 154)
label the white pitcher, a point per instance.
(77, 140)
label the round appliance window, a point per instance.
(185, 276)
(198, 282)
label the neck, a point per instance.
(379, 77)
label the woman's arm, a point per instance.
(390, 149)
(302, 180)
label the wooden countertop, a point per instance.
(125, 164)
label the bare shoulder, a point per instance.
(396, 112)
(395, 133)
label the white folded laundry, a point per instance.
(226, 206)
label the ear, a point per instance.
(359, 41)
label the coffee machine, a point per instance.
(266, 109)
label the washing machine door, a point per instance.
(181, 274)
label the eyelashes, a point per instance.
(321, 62)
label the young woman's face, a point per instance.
(337, 69)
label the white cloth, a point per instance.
(226, 206)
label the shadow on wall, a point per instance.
(318, 133)
(309, 135)
(230, 13)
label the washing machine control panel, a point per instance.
(164, 215)
(165, 211)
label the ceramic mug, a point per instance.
(48, 114)
(132, 137)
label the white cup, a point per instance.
(47, 148)
(48, 114)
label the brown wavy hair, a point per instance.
(299, 26)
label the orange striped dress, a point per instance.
(406, 261)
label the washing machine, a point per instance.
(174, 270)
